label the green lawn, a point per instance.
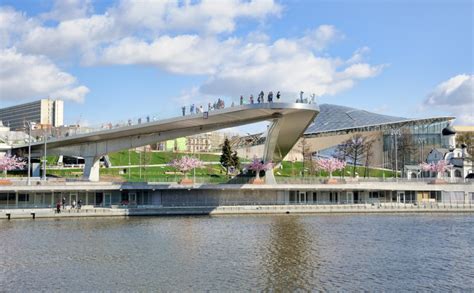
(209, 173)
(152, 158)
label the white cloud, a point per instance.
(24, 77)
(359, 55)
(186, 37)
(183, 54)
(68, 9)
(321, 37)
(456, 96)
(239, 66)
(13, 25)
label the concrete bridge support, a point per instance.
(92, 168)
(271, 147)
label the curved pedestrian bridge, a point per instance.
(288, 122)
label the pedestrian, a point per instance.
(201, 109)
(301, 96)
(79, 204)
(64, 202)
(209, 107)
(261, 97)
(147, 119)
(184, 110)
(251, 99)
(241, 100)
(191, 109)
(129, 122)
(58, 207)
(270, 97)
(73, 204)
(278, 96)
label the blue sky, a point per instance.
(111, 60)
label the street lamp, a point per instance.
(395, 133)
(422, 143)
(30, 125)
(44, 159)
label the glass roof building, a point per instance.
(335, 124)
(335, 119)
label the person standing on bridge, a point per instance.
(251, 99)
(270, 97)
(184, 110)
(241, 100)
(261, 97)
(278, 96)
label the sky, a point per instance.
(115, 60)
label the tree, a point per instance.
(185, 164)
(330, 165)
(439, 167)
(226, 156)
(258, 165)
(8, 163)
(466, 138)
(406, 148)
(306, 153)
(354, 149)
(368, 154)
(235, 160)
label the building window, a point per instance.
(457, 173)
(374, 194)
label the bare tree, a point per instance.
(307, 155)
(353, 149)
(406, 148)
(369, 142)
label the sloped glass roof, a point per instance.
(334, 118)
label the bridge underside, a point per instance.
(289, 121)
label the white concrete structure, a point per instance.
(288, 124)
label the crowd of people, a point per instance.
(220, 104)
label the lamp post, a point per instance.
(44, 159)
(30, 124)
(422, 143)
(395, 133)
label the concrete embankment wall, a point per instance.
(235, 210)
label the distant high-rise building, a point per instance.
(46, 112)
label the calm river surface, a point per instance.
(421, 252)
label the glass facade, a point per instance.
(423, 138)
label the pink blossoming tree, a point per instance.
(440, 167)
(185, 164)
(8, 163)
(330, 165)
(258, 165)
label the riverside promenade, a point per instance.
(109, 199)
(381, 208)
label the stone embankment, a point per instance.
(236, 210)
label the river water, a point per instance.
(421, 252)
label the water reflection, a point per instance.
(240, 253)
(290, 258)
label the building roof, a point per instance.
(335, 119)
(448, 130)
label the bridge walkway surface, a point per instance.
(288, 122)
